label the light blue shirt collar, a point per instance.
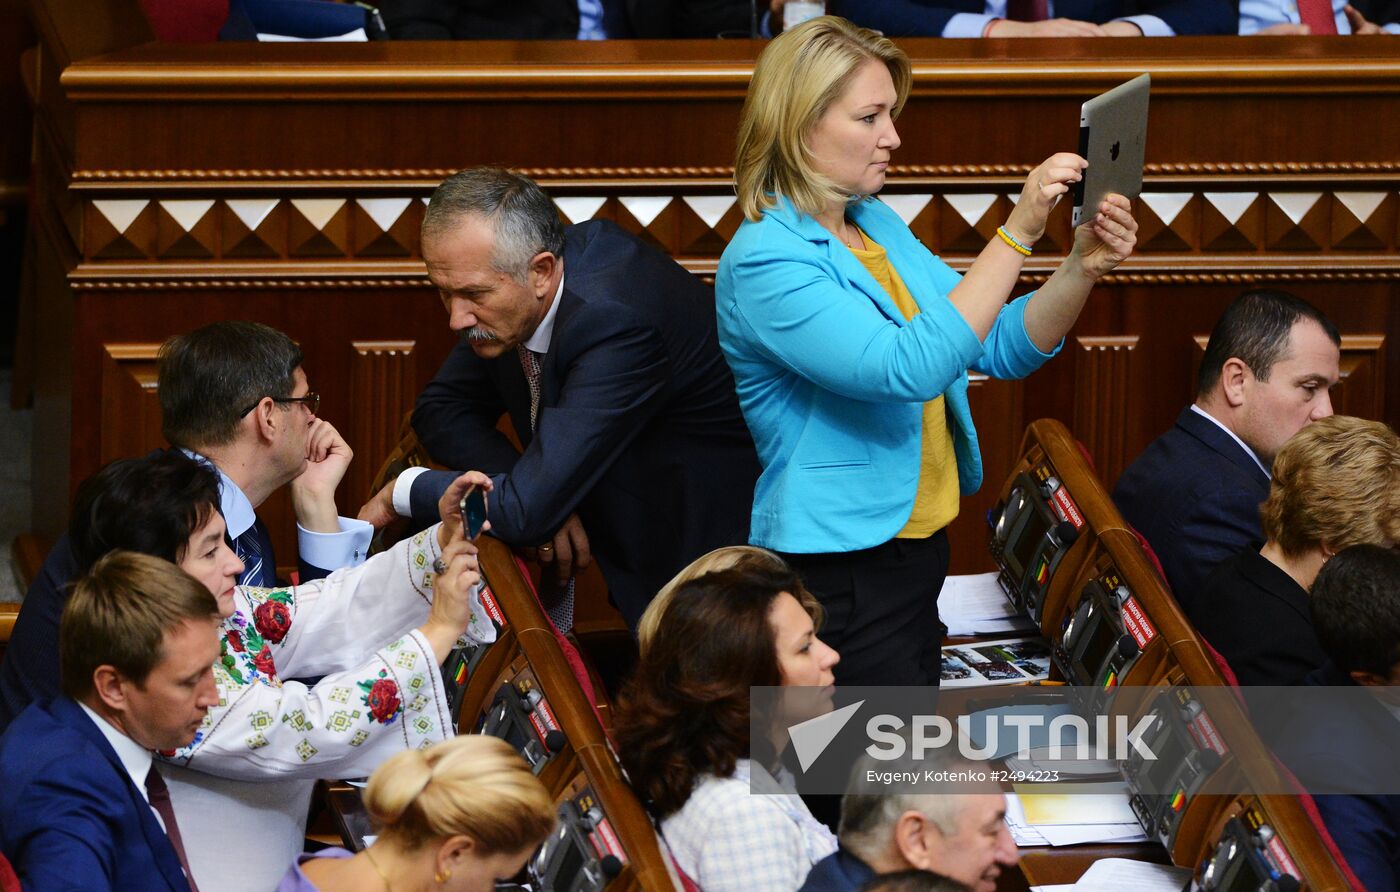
(238, 512)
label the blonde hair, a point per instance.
(730, 557)
(472, 784)
(1337, 481)
(797, 78)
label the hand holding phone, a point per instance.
(474, 511)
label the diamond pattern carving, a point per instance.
(186, 228)
(1296, 221)
(1363, 220)
(696, 228)
(120, 229)
(254, 228)
(1167, 221)
(386, 227)
(1231, 221)
(318, 227)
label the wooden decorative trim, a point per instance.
(1102, 395)
(242, 284)
(1238, 278)
(720, 172)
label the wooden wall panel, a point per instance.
(1102, 399)
(308, 220)
(383, 386)
(130, 404)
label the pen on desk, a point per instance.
(1048, 683)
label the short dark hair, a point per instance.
(1254, 329)
(912, 880)
(1356, 609)
(150, 505)
(526, 222)
(685, 711)
(206, 377)
(118, 615)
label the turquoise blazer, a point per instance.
(832, 379)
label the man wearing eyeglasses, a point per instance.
(235, 394)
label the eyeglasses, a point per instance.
(311, 400)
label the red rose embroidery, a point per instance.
(273, 620)
(383, 700)
(235, 642)
(263, 662)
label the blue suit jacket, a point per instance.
(1194, 493)
(70, 816)
(838, 872)
(639, 431)
(928, 18)
(1342, 750)
(832, 378)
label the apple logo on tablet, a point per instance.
(1113, 152)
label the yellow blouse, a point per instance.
(936, 500)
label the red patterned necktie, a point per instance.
(159, 795)
(1317, 15)
(1027, 10)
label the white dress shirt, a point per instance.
(972, 24)
(135, 758)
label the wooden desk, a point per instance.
(181, 184)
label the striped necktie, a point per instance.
(248, 547)
(561, 612)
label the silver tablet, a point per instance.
(1112, 138)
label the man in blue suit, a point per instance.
(81, 806)
(1194, 493)
(603, 351)
(1056, 18)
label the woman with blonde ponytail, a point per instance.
(455, 817)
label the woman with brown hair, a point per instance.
(683, 729)
(1336, 483)
(457, 817)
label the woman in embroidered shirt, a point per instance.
(456, 817)
(850, 343)
(682, 728)
(374, 634)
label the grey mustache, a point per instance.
(477, 333)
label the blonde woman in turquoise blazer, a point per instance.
(831, 375)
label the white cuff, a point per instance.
(403, 488)
(331, 551)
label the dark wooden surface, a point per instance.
(1245, 137)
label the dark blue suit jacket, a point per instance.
(639, 429)
(1343, 750)
(838, 872)
(70, 816)
(928, 18)
(1194, 493)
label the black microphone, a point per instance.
(555, 740)
(1287, 883)
(1066, 533)
(611, 865)
(753, 20)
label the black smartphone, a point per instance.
(474, 511)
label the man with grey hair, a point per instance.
(959, 835)
(603, 352)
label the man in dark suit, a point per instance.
(570, 19)
(235, 394)
(1194, 493)
(634, 448)
(1340, 744)
(81, 806)
(1057, 18)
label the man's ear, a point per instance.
(917, 839)
(267, 421)
(110, 687)
(1234, 374)
(542, 267)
